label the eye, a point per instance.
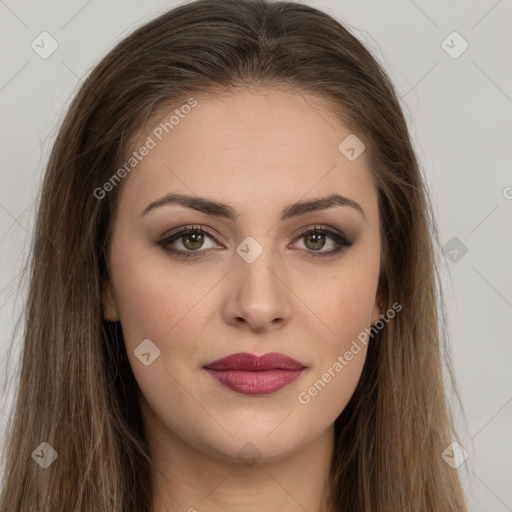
(315, 239)
(192, 240)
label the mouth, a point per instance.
(251, 374)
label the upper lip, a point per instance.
(254, 363)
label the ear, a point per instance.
(377, 308)
(109, 304)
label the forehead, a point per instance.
(248, 147)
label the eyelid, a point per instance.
(185, 229)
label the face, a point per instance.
(259, 274)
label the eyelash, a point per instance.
(342, 242)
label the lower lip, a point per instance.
(261, 382)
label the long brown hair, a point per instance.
(75, 382)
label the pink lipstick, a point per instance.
(255, 375)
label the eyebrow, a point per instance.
(218, 209)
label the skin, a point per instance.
(258, 150)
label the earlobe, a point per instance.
(109, 304)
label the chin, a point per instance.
(268, 440)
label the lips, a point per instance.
(254, 363)
(255, 375)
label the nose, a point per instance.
(258, 298)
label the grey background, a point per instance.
(459, 112)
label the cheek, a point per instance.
(169, 308)
(326, 394)
(346, 302)
(152, 302)
(340, 356)
(346, 308)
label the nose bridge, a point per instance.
(259, 294)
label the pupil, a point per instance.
(197, 240)
(319, 240)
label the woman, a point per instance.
(233, 286)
